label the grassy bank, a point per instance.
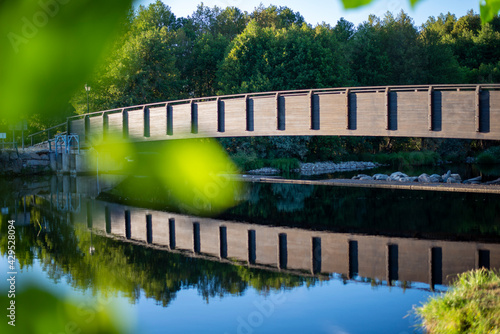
(403, 159)
(472, 305)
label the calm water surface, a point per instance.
(287, 259)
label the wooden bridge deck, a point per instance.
(439, 111)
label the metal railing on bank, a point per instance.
(47, 137)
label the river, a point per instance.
(287, 259)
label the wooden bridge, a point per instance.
(434, 111)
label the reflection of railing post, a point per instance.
(171, 232)
(483, 259)
(435, 266)
(149, 229)
(127, 224)
(251, 247)
(282, 251)
(392, 268)
(107, 218)
(89, 212)
(316, 255)
(353, 259)
(196, 237)
(223, 241)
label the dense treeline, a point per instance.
(224, 51)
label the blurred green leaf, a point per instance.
(488, 9)
(355, 3)
(39, 311)
(49, 48)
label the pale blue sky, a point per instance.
(329, 11)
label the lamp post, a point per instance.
(87, 88)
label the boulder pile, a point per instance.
(449, 177)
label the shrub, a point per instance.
(490, 156)
(472, 305)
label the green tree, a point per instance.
(266, 59)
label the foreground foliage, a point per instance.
(471, 306)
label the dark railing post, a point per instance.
(196, 238)
(347, 110)
(105, 125)
(249, 114)
(387, 109)
(146, 122)
(86, 121)
(220, 116)
(170, 117)
(430, 115)
(125, 124)
(280, 112)
(223, 242)
(314, 111)
(316, 255)
(149, 229)
(194, 117)
(282, 251)
(478, 109)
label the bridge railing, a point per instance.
(404, 111)
(47, 136)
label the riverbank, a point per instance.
(472, 305)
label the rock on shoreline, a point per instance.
(448, 177)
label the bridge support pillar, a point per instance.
(65, 162)
(53, 161)
(82, 162)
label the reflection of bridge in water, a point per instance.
(293, 250)
(285, 249)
